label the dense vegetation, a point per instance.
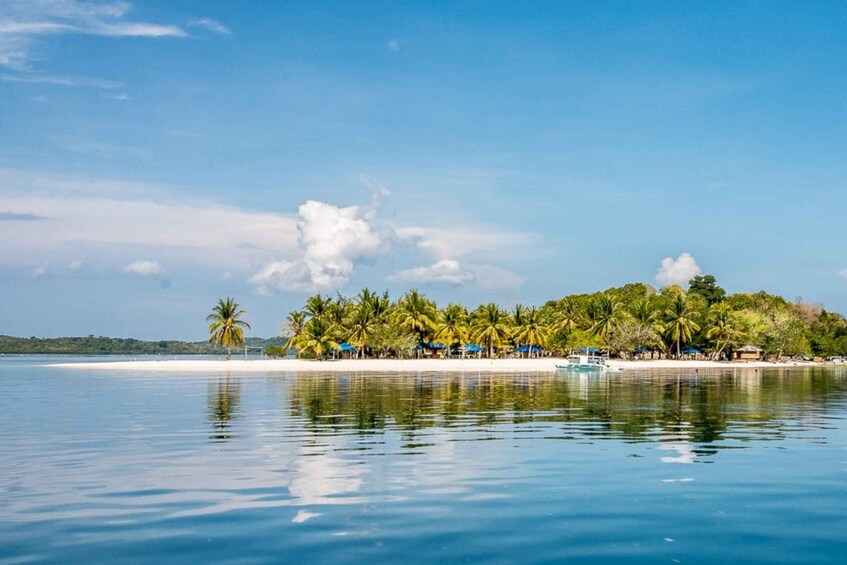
(92, 345)
(635, 319)
(98, 346)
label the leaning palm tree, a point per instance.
(723, 327)
(452, 326)
(319, 337)
(293, 326)
(531, 331)
(679, 322)
(227, 329)
(490, 326)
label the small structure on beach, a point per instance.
(749, 353)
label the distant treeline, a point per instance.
(100, 345)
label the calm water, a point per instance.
(733, 467)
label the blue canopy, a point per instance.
(471, 348)
(431, 345)
(525, 348)
(344, 346)
(690, 351)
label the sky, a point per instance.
(157, 156)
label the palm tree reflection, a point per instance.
(223, 401)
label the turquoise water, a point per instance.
(648, 467)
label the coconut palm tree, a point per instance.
(723, 327)
(606, 315)
(227, 329)
(317, 306)
(452, 326)
(319, 337)
(416, 313)
(568, 316)
(360, 326)
(294, 324)
(490, 326)
(680, 322)
(531, 331)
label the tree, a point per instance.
(723, 328)
(319, 336)
(567, 316)
(490, 326)
(294, 324)
(531, 330)
(707, 287)
(415, 313)
(452, 326)
(679, 322)
(606, 316)
(227, 329)
(317, 306)
(361, 325)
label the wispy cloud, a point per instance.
(19, 217)
(843, 273)
(446, 271)
(211, 25)
(677, 271)
(393, 46)
(37, 78)
(24, 22)
(144, 268)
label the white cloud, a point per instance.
(144, 268)
(468, 241)
(75, 265)
(842, 273)
(446, 271)
(62, 80)
(210, 24)
(489, 277)
(24, 21)
(332, 241)
(677, 271)
(393, 46)
(40, 270)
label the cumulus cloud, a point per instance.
(447, 271)
(144, 268)
(677, 271)
(332, 240)
(75, 265)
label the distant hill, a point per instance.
(101, 345)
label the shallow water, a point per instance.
(652, 467)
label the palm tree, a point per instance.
(531, 331)
(723, 327)
(679, 322)
(294, 325)
(317, 306)
(606, 314)
(568, 317)
(361, 325)
(490, 326)
(319, 336)
(452, 326)
(415, 313)
(226, 329)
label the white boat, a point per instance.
(586, 363)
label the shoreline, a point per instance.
(543, 365)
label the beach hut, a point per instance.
(749, 353)
(472, 349)
(345, 348)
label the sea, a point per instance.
(653, 466)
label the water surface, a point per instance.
(640, 467)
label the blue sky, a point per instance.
(157, 156)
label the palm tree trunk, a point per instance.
(228, 353)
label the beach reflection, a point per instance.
(223, 402)
(688, 415)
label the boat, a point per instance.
(596, 363)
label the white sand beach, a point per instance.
(544, 365)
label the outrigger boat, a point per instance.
(585, 363)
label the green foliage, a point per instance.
(227, 327)
(707, 287)
(99, 346)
